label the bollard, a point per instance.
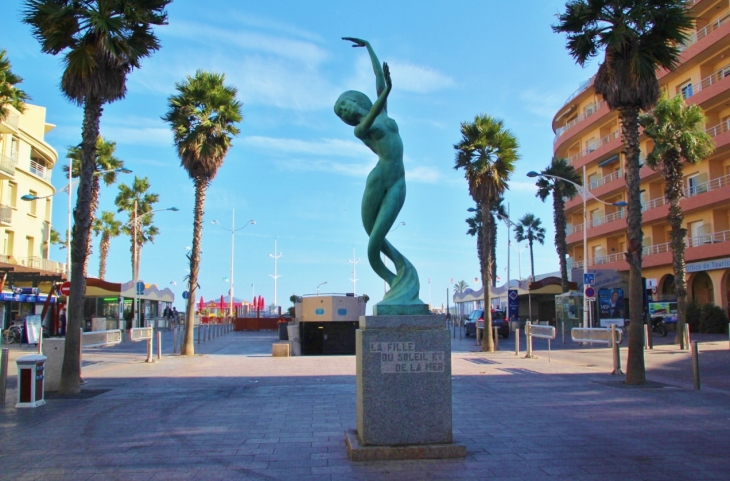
(728, 336)
(528, 338)
(174, 340)
(495, 330)
(198, 335)
(517, 342)
(616, 353)
(3, 374)
(159, 345)
(563, 332)
(696, 365)
(648, 344)
(687, 338)
(149, 350)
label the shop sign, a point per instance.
(9, 297)
(708, 265)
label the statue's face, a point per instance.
(352, 106)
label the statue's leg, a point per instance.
(384, 220)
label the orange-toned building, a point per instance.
(587, 134)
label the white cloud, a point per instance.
(360, 170)
(543, 104)
(322, 147)
(425, 175)
(406, 76)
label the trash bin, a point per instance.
(30, 381)
(283, 335)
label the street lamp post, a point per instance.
(135, 254)
(321, 284)
(584, 193)
(275, 256)
(355, 261)
(232, 230)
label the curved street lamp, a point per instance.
(318, 285)
(584, 193)
(232, 230)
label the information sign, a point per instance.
(589, 278)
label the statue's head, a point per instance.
(352, 106)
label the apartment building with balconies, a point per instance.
(26, 163)
(587, 135)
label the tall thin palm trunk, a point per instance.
(674, 177)
(201, 184)
(560, 242)
(103, 254)
(629, 118)
(487, 340)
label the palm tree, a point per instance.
(105, 162)
(639, 37)
(475, 229)
(108, 227)
(530, 229)
(560, 191)
(460, 287)
(127, 199)
(101, 42)
(10, 94)
(202, 116)
(487, 152)
(678, 134)
(497, 209)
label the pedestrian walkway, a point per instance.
(234, 412)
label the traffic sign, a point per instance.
(590, 293)
(65, 288)
(513, 294)
(140, 288)
(589, 278)
(186, 295)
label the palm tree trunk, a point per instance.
(92, 208)
(103, 253)
(487, 262)
(188, 347)
(560, 244)
(493, 252)
(635, 368)
(532, 260)
(71, 368)
(674, 178)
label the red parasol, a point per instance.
(223, 303)
(202, 304)
(261, 303)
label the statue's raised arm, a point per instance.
(379, 75)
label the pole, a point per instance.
(517, 341)
(696, 365)
(3, 374)
(616, 353)
(508, 271)
(354, 262)
(135, 280)
(230, 292)
(586, 321)
(275, 256)
(159, 345)
(68, 232)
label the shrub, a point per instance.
(694, 313)
(713, 320)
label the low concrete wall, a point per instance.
(256, 323)
(53, 349)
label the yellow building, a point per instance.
(26, 162)
(587, 134)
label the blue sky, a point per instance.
(296, 168)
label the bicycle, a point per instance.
(12, 334)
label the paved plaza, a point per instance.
(234, 412)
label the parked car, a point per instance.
(476, 320)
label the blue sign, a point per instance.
(140, 288)
(186, 295)
(342, 312)
(589, 278)
(24, 298)
(512, 305)
(319, 311)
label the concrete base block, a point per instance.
(403, 381)
(358, 452)
(406, 310)
(53, 349)
(281, 349)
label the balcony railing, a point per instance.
(705, 31)
(8, 164)
(40, 170)
(43, 264)
(589, 110)
(619, 214)
(713, 184)
(653, 204)
(574, 158)
(605, 179)
(11, 121)
(6, 214)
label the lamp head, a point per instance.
(28, 197)
(174, 209)
(471, 209)
(252, 222)
(532, 173)
(620, 203)
(123, 170)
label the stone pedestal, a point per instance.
(404, 388)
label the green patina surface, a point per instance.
(385, 189)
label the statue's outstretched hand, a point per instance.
(357, 41)
(386, 74)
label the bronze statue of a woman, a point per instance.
(385, 189)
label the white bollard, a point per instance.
(528, 338)
(149, 350)
(174, 340)
(495, 330)
(616, 353)
(517, 342)
(687, 339)
(159, 345)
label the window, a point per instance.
(685, 89)
(696, 184)
(589, 110)
(595, 216)
(593, 181)
(14, 143)
(33, 203)
(31, 246)
(8, 243)
(47, 217)
(592, 144)
(13, 191)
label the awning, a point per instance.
(608, 161)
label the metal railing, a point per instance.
(584, 86)
(12, 121)
(589, 110)
(40, 170)
(710, 80)
(605, 179)
(6, 214)
(653, 204)
(705, 31)
(610, 137)
(8, 164)
(708, 186)
(619, 214)
(43, 264)
(101, 338)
